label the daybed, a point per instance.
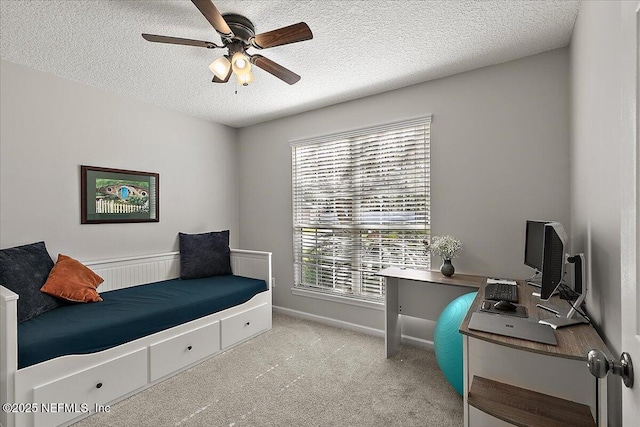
(51, 377)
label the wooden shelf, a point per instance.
(526, 408)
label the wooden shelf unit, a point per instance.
(518, 381)
(526, 408)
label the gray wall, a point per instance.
(50, 126)
(595, 169)
(499, 156)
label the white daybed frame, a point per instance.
(63, 390)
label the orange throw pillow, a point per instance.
(72, 281)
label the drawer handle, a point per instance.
(247, 324)
(189, 348)
(99, 385)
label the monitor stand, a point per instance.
(537, 295)
(535, 280)
(551, 308)
(563, 316)
(560, 322)
(568, 317)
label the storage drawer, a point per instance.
(71, 396)
(243, 325)
(177, 352)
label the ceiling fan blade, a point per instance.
(274, 68)
(178, 40)
(208, 9)
(217, 80)
(285, 35)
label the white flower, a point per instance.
(445, 246)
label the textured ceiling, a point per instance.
(359, 48)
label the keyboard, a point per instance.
(501, 292)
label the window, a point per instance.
(360, 204)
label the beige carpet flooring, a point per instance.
(298, 374)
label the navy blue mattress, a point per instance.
(128, 314)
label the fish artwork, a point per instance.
(123, 191)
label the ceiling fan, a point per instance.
(238, 34)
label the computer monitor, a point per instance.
(579, 282)
(533, 245)
(575, 301)
(553, 258)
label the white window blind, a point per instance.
(360, 204)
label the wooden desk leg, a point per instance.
(392, 332)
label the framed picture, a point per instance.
(117, 196)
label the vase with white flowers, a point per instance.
(446, 247)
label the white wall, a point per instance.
(499, 156)
(595, 169)
(50, 126)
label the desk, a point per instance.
(421, 294)
(509, 381)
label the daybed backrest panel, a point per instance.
(127, 272)
(254, 264)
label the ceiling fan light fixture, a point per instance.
(245, 79)
(240, 63)
(220, 67)
(238, 34)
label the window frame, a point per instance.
(391, 147)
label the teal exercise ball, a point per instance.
(447, 341)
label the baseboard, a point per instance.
(416, 342)
(409, 340)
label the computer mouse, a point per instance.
(505, 306)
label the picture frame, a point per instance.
(118, 196)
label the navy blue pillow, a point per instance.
(204, 255)
(24, 269)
